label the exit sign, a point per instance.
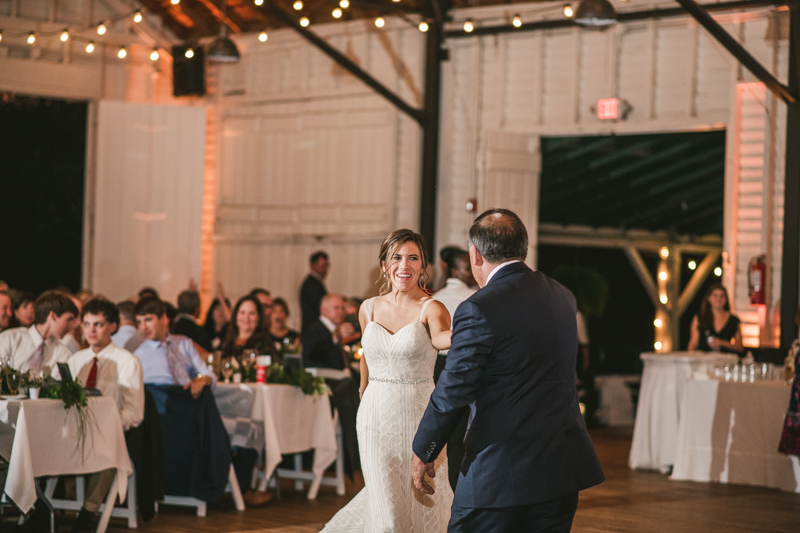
(607, 108)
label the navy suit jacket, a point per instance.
(512, 363)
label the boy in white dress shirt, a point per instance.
(117, 373)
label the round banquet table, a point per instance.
(658, 413)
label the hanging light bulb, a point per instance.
(657, 345)
(174, 2)
(189, 53)
(258, 2)
(468, 26)
(137, 17)
(304, 22)
(121, 53)
(380, 22)
(101, 29)
(337, 13)
(154, 55)
(344, 4)
(395, 1)
(90, 47)
(298, 5)
(64, 35)
(1, 35)
(568, 11)
(263, 37)
(517, 22)
(31, 38)
(423, 26)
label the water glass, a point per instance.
(227, 370)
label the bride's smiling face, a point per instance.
(405, 267)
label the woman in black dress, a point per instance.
(285, 338)
(715, 329)
(790, 436)
(247, 331)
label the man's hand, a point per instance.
(346, 329)
(197, 385)
(418, 471)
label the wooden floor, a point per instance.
(629, 501)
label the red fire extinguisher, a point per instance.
(756, 279)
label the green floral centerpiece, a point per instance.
(74, 397)
(309, 384)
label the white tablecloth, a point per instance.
(729, 432)
(658, 413)
(293, 421)
(616, 404)
(39, 438)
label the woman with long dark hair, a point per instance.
(715, 329)
(216, 323)
(247, 330)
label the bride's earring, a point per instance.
(384, 273)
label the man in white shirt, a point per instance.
(39, 346)
(5, 309)
(118, 375)
(127, 324)
(459, 286)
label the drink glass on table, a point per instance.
(227, 370)
(13, 379)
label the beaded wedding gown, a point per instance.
(400, 386)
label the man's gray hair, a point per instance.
(499, 236)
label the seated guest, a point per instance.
(263, 296)
(74, 337)
(39, 346)
(118, 375)
(322, 339)
(217, 321)
(351, 307)
(715, 329)
(186, 321)
(5, 310)
(22, 307)
(127, 323)
(281, 334)
(166, 359)
(247, 331)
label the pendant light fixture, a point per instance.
(223, 50)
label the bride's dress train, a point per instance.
(400, 386)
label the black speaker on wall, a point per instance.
(188, 73)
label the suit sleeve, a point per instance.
(459, 382)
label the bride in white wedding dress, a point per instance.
(403, 331)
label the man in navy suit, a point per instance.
(512, 364)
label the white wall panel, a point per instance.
(149, 194)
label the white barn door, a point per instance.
(510, 179)
(147, 207)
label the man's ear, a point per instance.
(475, 257)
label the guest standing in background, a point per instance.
(22, 307)
(715, 329)
(282, 335)
(247, 331)
(313, 289)
(790, 436)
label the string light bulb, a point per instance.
(174, 2)
(344, 4)
(337, 13)
(189, 53)
(380, 22)
(137, 17)
(657, 345)
(664, 252)
(423, 26)
(304, 22)
(64, 36)
(90, 47)
(657, 322)
(517, 21)
(662, 276)
(664, 299)
(154, 55)
(298, 5)
(395, 1)
(718, 271)
(31, 38)
(122, 52)
(692, 265)
(568, 11)
(101, 29)
(468, 26)
(263, 37)
(1, 35)
(258, 2)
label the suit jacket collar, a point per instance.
(507, 271)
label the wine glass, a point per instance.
(227, 370)
(13, 380)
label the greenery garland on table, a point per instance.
(73, 395)
(309, 384)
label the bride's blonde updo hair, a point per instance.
(389, 247)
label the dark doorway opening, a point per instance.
(43, 155)
(670, 183)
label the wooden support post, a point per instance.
(699, 276)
